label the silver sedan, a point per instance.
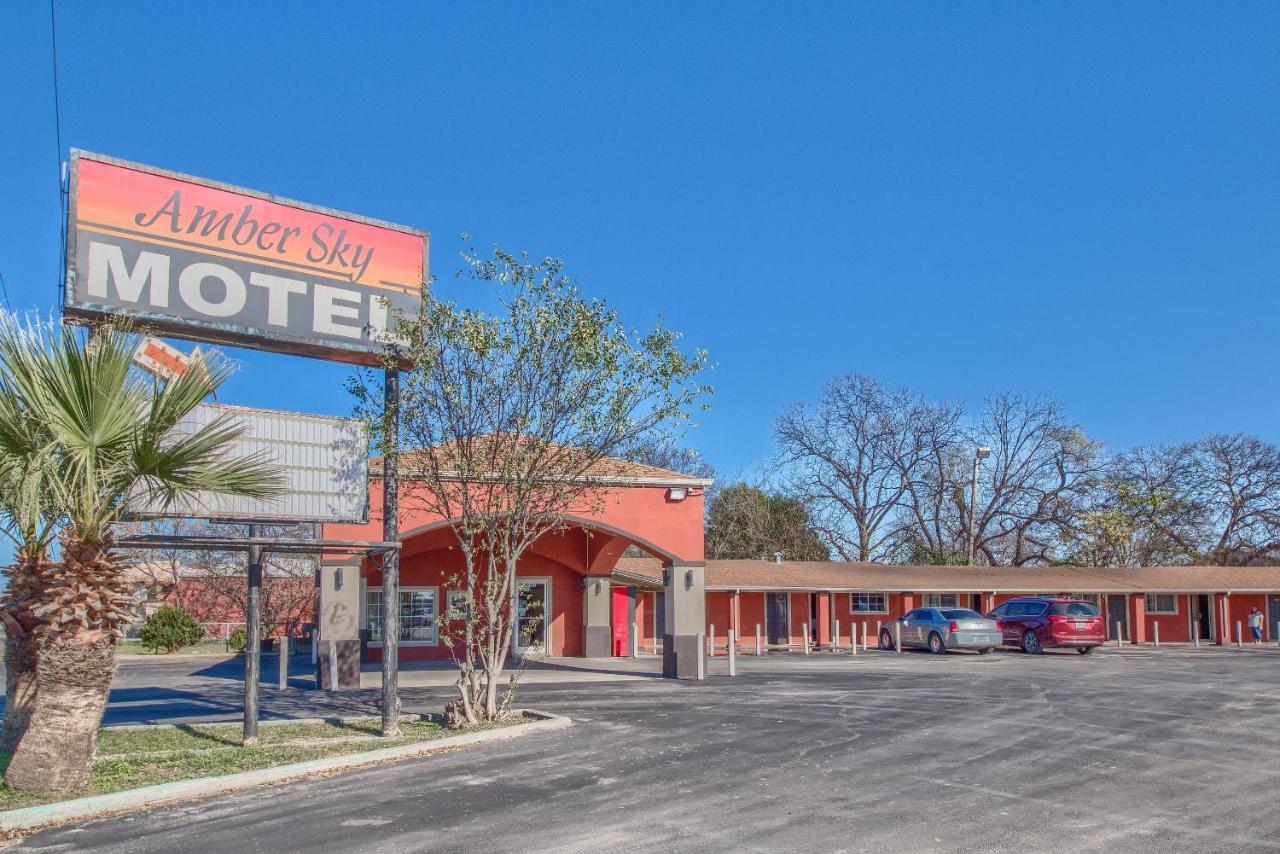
(940, 629)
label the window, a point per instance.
(868, 603)
(417, 615)
(1088, 597)
(1001, 610)
(457, 605)
(1162, 603)
(1073, 609)
(961, 614)
(941, 600)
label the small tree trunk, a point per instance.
(20, 689)
(72, 684)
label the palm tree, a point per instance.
(29, 519)
(110, 440)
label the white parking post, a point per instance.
(1119, 636)
(702, 660)
(853, 638)
(1239, 635)
(864, 634)
(1195, 631)
(635, 640)
(282, 671)
(711, 641)
(1278, 634)
(835, 636)
(759, 649)
(804, 632)
(1155, 633)
(897, 637)
(733, 640)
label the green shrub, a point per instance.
(170, 629)
(237, 639)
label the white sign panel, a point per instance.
(325, 462)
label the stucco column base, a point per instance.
(347, 653)
(680, 656)
(598, 642)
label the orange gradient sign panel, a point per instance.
(209, 262)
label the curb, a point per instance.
(97, 806)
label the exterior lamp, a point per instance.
(677, 493)
(981, 454)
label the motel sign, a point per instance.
(210, 262)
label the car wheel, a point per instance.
(985, 650)
(886, 641)
(1085, 650)
(1031, 643)
(936, 646)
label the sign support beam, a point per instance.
(252, 641)
(391, 557)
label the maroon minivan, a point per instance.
(1036, 622)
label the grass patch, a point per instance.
(131, 758)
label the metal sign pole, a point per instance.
(252, 641)
(391, 557)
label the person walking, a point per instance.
(1255, 625)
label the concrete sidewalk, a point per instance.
(549, 671)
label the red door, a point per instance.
(621, 621)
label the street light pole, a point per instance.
(982, 453)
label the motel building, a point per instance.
(581, 591)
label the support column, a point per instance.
(253, 641)
(338, 625)
(1139, 617)
(685, 602)
(1221, 616)
(597, 617)
(908, 602)
(988, 602)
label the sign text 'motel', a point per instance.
(223, 264)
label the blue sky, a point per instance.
(1072, 199)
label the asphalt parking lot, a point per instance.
(1133, 750)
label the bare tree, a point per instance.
(1213, 501)
(513, 420)
(854, 456)
(1041, 472)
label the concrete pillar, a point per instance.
(1139, 617)
(1221, 616)
(988, 602)
(338, 625)
(597, 617)
(908, 602)
(685, 602)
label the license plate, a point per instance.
(1082, 625)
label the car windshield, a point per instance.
(961, 614)
(1073, 609)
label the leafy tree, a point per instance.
(744, 521)
(109, 438)
(513, 419)
(170, 629)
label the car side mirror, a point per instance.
(902, 619)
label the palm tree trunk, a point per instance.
(72, 684)
(19, 691)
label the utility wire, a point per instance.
(57, 130)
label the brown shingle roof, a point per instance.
(832, 575)
(606, 469)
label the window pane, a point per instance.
(417, 615)
(961, 614)
(1074, 609)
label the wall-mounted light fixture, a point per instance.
(337, 579)
(688, 579)
(677, 493)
